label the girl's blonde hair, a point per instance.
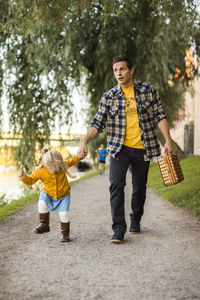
(52, 160)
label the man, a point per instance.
(102, 153)
(131, 110)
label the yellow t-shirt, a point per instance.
(132, 134)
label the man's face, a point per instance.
(123, 74)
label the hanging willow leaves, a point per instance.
(37, 93)
(61, 41)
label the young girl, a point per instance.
(56, 191)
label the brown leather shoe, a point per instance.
(44, 224)
(65, 229)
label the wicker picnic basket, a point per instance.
(170, 169)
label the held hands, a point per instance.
(21, 172)
(80, 155)
(82, 151)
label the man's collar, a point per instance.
(135, 84)
(118, 89)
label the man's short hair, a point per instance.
(123, 58)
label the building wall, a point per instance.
(189, 116)
(177, 134)
(197, 116)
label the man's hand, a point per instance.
(81, 154)
(168, 147)
(83, 150)
(163, 126)
(21, 172)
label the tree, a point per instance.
(72, 39)
(36, 94)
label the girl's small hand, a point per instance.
(21, 172)
(81, 155)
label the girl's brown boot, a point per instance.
(65, 230)
(44, 224)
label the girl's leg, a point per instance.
(64, 216)
(43, 217)
(65, 226)
(42, 207)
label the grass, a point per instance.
(9, 209)
(184, 194)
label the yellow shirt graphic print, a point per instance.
(132, 134)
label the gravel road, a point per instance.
(163, 262)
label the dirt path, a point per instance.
(163, 262)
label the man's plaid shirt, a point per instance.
(112, 111)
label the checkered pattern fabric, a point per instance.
(112, 113)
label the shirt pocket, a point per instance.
(113, 109)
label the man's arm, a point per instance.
(163, 126)
(91, 133)
(97, 125)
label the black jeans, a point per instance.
(118, 170)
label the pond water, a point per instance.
(9, 183)
(11, 186)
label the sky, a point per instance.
(79, 117)
(80, 104)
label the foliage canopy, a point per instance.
(47, 45)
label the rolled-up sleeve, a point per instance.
(159, 111)
(99, 120)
